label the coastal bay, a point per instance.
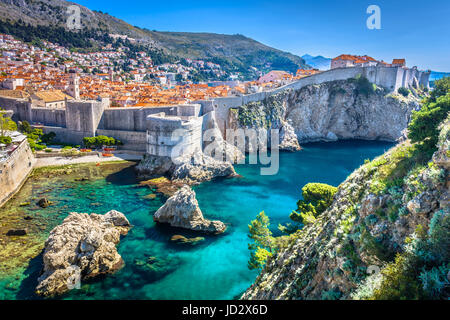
(156, 268)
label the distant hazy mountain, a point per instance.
(317, 62)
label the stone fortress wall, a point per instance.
(15, 170)
(150, 129)
(391, 78)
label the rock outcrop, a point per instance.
(197, 167)
(188, 169)
(288, 138)
(153, 166)
(398, 204)
(182, 210)
(82, 247)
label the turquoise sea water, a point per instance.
(215, 268)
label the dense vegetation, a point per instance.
(55, 34)
(262, 245)
(36, 137)
(424, 123)
(6, 124)
(421, 272)
(100, 141)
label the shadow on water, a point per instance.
(164, 232)
(32, 272)
(126, 176)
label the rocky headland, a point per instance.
(385, 235)
(82, 247)
(182, 210)
(341, 109)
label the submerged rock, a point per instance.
(153, 268)
(162, 185)
(182, 210)
(43, 203)
(16, 232)
(82, 247)
(183, 240)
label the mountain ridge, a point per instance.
(317, 62)
(236, 52)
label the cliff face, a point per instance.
(396, 204)
(343, 109)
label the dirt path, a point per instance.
(61, 161)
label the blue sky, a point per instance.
(417, 30)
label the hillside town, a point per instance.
(50, 74)
(44, 74)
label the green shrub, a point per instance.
(363, 85)
(6, 124)
(5, 140)
(424, 126)
(399, 282)
(48, 138)
(317, 197)
(100, 141)
(334, 294)
(25, 127)
(40, 147)
(435, 281)
(403, 91)
(261, 247)
(420, 272)
(441, 88)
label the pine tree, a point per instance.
(261, 247)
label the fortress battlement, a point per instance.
(151, 129)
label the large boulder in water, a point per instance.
(82, 247)
(182, 210)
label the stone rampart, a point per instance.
(15, 170)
